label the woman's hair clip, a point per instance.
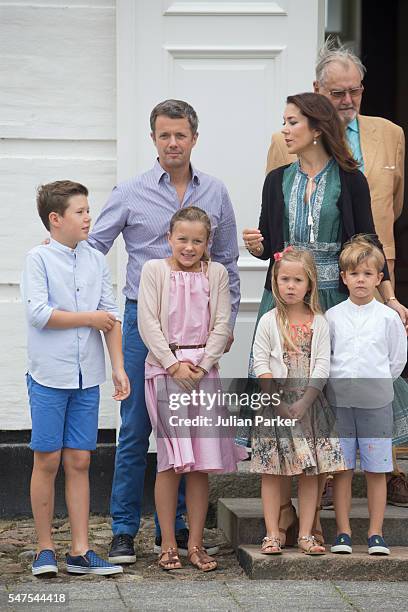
(278, 255)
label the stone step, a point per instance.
(245, 484)
(294, 565)
(241, 520)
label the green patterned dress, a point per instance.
(327, 231)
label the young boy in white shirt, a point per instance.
(68, 299)
(368, 351)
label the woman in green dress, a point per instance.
(316, 203)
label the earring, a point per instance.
(314, 141)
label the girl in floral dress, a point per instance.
(292, 350)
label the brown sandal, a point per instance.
(307, 543)
(317, 533)
(202, 559)
(291, 531)
(172, 562)
(269, 543)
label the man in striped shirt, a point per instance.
(141, 209)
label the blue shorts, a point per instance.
(63, 418)
(370, 431)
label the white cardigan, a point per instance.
(268, 355)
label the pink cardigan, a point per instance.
(153, 313)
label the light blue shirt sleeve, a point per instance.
(34, 291)
(224, 249)
(107, 301)
(110, 222)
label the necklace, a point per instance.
(310, 221)
(310, 200)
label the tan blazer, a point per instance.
(383, 147)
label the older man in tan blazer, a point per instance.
(378, 143)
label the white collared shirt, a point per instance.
(368, 350)
(75, 280)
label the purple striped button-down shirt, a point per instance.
(141, 208)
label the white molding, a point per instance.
(41, 4)
(40, 148)
(223, 52)
(238, 9)
(248, 305)
(249, 264)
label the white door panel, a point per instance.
(235, 62)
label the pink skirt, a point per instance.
(184, 448)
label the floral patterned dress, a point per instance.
(310, 446)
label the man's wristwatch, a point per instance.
(390, 299)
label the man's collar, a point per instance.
(159, 172)
(353, 126)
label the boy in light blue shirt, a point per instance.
(68, 299)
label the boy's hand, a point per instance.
(102, 320)
(121, 384)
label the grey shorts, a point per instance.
(370, 431)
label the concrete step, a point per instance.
(293, 565)
(242, 522)
(245, 484)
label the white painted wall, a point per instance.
(59, 64)
(57, 120)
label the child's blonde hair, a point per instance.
(305, 258)
(358, 249)
(193, 213)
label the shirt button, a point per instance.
(77, 288)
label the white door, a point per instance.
(235, 62)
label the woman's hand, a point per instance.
(401, 310)
(253, 241)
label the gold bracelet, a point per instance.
(257, 251)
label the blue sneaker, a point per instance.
(342, 544)
(45, 562)
(91, 563)
(377, 546)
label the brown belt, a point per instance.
(175, 347)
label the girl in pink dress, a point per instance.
(183, 318)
